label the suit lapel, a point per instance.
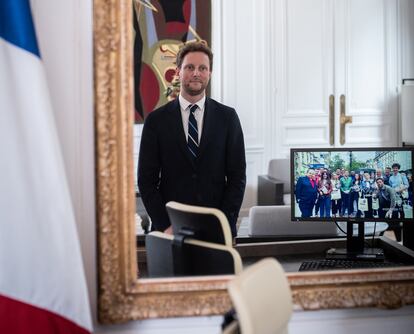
(308, 182)
(177, 126)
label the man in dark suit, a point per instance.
(192, 148)
(306, 192)
(386, 198)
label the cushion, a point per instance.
(275, 221)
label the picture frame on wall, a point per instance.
(160, 28)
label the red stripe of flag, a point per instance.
(20, 318)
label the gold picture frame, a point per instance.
(123, 297)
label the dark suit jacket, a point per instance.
(167, 171)
(305, 193)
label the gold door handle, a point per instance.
(331, 120)
(343, 119)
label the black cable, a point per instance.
(337, 225)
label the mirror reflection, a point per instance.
(293, 92)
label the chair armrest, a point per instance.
(269, 191)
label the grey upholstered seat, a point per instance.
(275, 221)
(274, 188)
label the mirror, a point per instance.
(123, 297)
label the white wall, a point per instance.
(65, 35)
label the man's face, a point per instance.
(380, 183)
(395, 169)
(387, 171)
(311, 174)
(194, 73)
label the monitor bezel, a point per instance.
(341, 149)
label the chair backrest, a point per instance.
(262, 298)
(195, 258)
(280, 169)
(207, 224)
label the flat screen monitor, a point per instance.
(355, 185)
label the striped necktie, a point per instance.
(192, 142)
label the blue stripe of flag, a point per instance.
(16, 25)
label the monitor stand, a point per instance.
(355, 246)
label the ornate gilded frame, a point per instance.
(122, 296)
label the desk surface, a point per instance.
(291, 254)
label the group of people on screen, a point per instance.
(361, 194)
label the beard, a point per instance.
(194, 92)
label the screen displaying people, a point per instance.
(366, 184)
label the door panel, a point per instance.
(362, 77)
(307, 58)
(307, 82)
(340, 48)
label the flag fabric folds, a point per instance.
(42, 282)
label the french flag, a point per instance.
(42, 282)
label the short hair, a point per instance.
(379, 178)
(396, 165)
(194, 47)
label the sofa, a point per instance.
(275, 220)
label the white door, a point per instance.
(338, 63)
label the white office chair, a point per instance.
(262, 299)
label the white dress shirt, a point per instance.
(198, 114)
